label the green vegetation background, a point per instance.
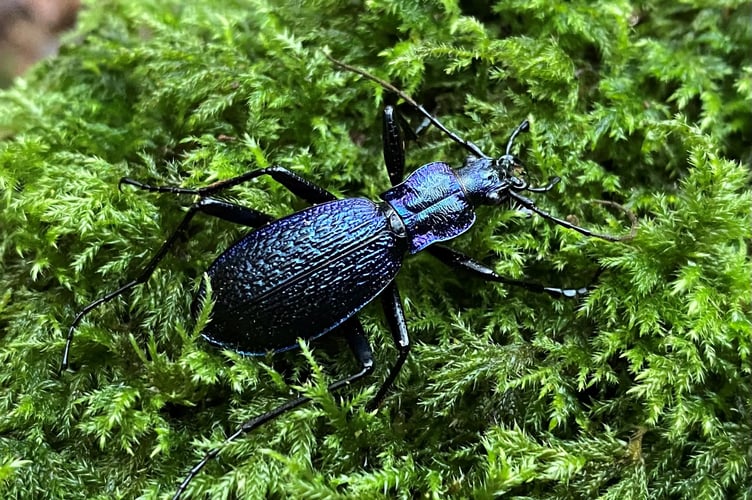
(639, 390)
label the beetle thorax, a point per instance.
(433, 205)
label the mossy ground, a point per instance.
(639, 390)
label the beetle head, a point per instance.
(509, 168)
(489, 180)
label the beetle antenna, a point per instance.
(530, 205)
(388, 86)
(630, 215)
(522, 127)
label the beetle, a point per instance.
(311, 272)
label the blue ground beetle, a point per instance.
(311, 272)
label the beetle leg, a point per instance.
(360, 347)
(394, 142)
(458, 260)
(232, 212)
(395, 316)
(293, 182)
(394, 146)
(218, 208)
(420, 129)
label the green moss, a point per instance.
(640, 390)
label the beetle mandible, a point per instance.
(311, 272)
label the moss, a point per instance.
(641, 389)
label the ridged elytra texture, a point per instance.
(301, 276)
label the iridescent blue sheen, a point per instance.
(301, 276)
(306, 274)
(432, 204)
